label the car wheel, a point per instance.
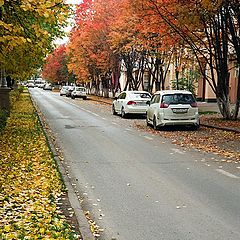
(72, 97)
(123, 114)
(195, 127)
(113, 110)
(147, 121)
(155, 127)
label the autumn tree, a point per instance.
(27, 29)
(211, 29)
(91, 57)
(55, 69)
(145, 45)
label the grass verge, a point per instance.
(30, 184)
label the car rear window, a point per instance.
(178, 98)
(140, 95)
(81, 89)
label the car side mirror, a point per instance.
(116, 98)
(148, 103)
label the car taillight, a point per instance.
(163, 105)
(194, 104)
(131, 103)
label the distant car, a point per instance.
(79, 92)
(47, 86)
(69, 91)
(63, 90)
(131, 102)
(172, 107)
(30, 83)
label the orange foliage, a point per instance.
(55, 69)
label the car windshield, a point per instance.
(178, 98)
(140, 95)
(81, 89)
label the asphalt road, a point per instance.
(139, 186)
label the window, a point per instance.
(141, 95)
(178, 99)
(122, 96)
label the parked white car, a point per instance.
(172, 107)
(131, 102)
(47, 86)
(63, 90)
(79, 92)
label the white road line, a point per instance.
(114, 123)
(227, 174)
(177, 150)
(128, 129)
(103, 118)
(148, 138)
(95, 114)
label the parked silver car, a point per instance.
(131, 102)
(47, 86)
(172, 108)
(69, 91)
(63, 90)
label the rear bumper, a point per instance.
(167, 122)
(136, 110)
(80, 95)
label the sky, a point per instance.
(73, 1)
(67, 29)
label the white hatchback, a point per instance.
(131, 102)
(172, 107)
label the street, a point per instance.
(139, 186)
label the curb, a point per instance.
(221, 128)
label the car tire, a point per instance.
(195, 127)
(155, 127)
(72, 97)
(113, 110)
(84, 98)
(123, 114)
(147, 121)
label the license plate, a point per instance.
(179, 110)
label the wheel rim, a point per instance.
(122, 112)
(154, 123)
(147, 121)
(113, 110)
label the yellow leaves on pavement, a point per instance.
(29, 181)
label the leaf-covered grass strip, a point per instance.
(30, 183)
